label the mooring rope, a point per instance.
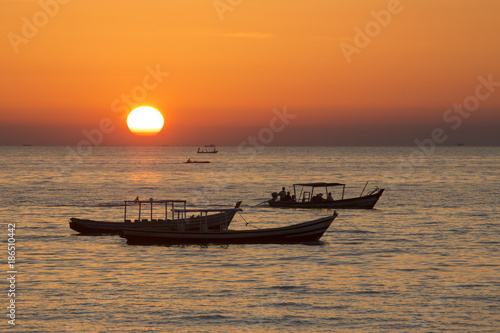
(259, 204)
(246, 222)
(352, 225)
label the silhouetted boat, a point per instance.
(222, 217)
(189, 161)
(310, 231)
(306, 199)
(206, 151)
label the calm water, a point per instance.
(425, 260)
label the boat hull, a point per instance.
(209, 222)
(364, 202)
(299, 233)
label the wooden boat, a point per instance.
(178, 220)
(307, 199)
(310, 231)
(206, 151)
(189, 161)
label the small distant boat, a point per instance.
(307, 199)
(189, 161)
(178, 221)
(206, 151)
(310, 231)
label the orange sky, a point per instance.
(229, 67)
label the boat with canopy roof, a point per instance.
(174, 221)
(311, 196)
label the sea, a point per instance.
(426, 259)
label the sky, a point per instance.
(229, 72)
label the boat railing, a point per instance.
(169, 205)
(306, 196)
(203, 217)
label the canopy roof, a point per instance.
(207, 210)
(154, 201)
(319, 184)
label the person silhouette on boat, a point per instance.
(288, 197)
(282, 194)
(329, 197)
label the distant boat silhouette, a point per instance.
(189, 161)
(206, 151)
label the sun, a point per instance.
(145, 120)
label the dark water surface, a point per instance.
(425, 260)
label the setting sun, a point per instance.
(145, 120)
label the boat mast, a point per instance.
(363, 189)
